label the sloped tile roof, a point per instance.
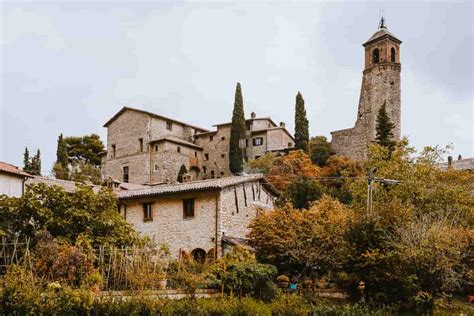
(68, 186)
(383, 32)
(176, 140)
(202, 185)
(126, 108)
(13, 170)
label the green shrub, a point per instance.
(289, 304)
(19, 291)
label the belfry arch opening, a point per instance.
(375, 56)
(392, 55)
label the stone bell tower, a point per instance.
(380, 84)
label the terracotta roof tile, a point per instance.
(13, 170)
(202, 185)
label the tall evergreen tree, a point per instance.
(237, 133)
(36, 164)
(301, 125)
(26, 161)
(61, 152)
(384, 129)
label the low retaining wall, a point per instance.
(170, 294)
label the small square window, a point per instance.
(188, 208)
(222, 173)
(206, 156)
(290, 144)
(156, 147)
(222, 155)
(223, 138)
(258, 141)
(204, 169)
(147, 212)
(179, 149)
(169, 125)
(211, 138)
(212, 174)
(156, 168)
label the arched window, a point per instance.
(392, 55)
(199, 255)
(375, 56)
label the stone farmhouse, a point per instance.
(147, 148)
(380, 85)
(200, 218)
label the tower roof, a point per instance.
(381, 34)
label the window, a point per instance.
(290, 144)
(222, 173)
(113, 151)
(156, 168)
(222, 155)
(206, 156)
(258, 141)
(246, 143)
(392, 55)
(212, 174)
(195, 154)
(147, 212)
(375, 56)
(169, 125)
(211, 138)
(140, 142)
(156, 147)
(179, 149)
(188, 208)
(125, 174)
(223, 138)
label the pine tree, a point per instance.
(237, 133)
(301, 125)
(26, 161)
(384, 128)
(61, 152)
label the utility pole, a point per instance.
(370, 187)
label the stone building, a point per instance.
(146, 148)
(198, 217)
(380, 85)
(263, 135)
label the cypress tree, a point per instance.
(61, 152)
(26, 161)
(384, 128)
(36, 164)
(301, 125)
(237, 132)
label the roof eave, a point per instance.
(371, 41)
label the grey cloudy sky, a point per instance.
(67, 67)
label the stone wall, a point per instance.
(235, 218)
(217, 151)
(169, 225)
(236, 210)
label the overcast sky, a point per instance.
(68, 67)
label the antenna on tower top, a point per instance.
(382, 20)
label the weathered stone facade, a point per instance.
(380, 84)
(221, 208)
(262, 136)
(146, 148)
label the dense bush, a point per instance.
(66, 215)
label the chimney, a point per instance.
(282, 124)
(459, 157)
(450, 161)
(253, 115)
